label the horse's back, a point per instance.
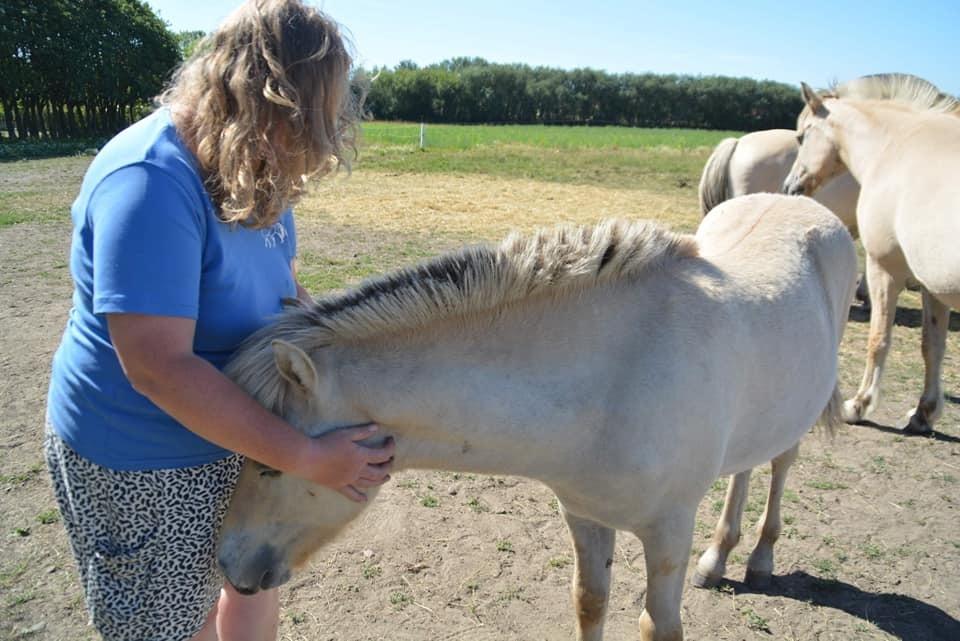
(769, 245)
(761, 161)
(765, 223)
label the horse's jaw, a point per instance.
(262, 550)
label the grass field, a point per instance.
(461, 137)
(870, 549)
(621, 157)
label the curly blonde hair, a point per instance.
(265, 103)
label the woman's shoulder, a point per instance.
(149, 147)
(151, 141)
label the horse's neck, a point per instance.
(865, 137)
(450, 400)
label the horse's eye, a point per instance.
(268, 472)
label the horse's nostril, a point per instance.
(245, 591)
(266, 580)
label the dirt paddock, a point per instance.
(871, 543)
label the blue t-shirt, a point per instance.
(147, 240)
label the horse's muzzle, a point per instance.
(793, 188)
(262, 571)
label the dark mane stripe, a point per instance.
(446, 271)
(472, 280)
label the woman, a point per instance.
(184, 244)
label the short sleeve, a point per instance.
(148, 233)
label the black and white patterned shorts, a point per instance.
(144, 541)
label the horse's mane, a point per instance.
(903, 88)
(467, 282)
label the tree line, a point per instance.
(88, 68)
(472, 90)
(80, 68)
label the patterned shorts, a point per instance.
(144, 541)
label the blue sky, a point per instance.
(816, 41)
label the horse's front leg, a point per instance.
(713, 563)
(936, 319)
(666, 548)
(884, 289)
(593, 554)
(760, 564)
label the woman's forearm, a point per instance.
(211, 405)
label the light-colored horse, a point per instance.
(624, 366)
(759, 162)
(905, 153)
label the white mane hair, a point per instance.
(899, 87)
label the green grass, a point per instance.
(826, 485)
(19, 150)
(559, 562)
(324, 273)
(21, 478)
(660, 169)
(462, 137)
(653, 159)
(399, 600)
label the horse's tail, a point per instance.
(715, 180)
(832, 416)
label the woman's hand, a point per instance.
(339, 461)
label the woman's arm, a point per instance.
(156, 353)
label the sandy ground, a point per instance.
(871, 544)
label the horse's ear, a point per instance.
(295, 366)
(812, 98)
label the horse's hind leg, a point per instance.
(936, 318)
(884, 288)
(593, 552)
(713, 563)
(760, 563)
(666, 548)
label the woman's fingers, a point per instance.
(352, 493)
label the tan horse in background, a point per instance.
(624, 366)
(759, 162)
(905, 153)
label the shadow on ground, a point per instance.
(899, 615)
(889, 429)
(905, 317)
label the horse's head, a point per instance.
(819, 157)
(276, 521)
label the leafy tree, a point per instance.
(80, 67)
(473, 90)
(187, 41)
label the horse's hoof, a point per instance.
(852, 411)
(705, 581)
(757, 579)
(917, 426)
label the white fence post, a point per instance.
(422, 127)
